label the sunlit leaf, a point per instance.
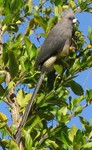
(72, 4)
(72, 132)
(77, 100)
(22, 98)
(30, 26)
(10, 144)
(58, 68)
(52, 144)
(40, 21)
(78, 110)
(2, 117)
(87, 145)
(28, 139)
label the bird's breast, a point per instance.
(65, 50)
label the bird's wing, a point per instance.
(52, 45)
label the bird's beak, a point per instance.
(75, 21)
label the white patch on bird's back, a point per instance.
(49, 63)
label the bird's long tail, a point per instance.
(28, 108)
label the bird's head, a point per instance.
(69, 15)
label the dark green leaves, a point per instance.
(2, 91)
(13, 64)
(76, 88)
(89, 96)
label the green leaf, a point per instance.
(62, 114)
(22, 98)
(15, 5)
(75, 66)
(89, 30)
(90, 135)
(76, 88)
(84, 5)
(10, 84)
(1, 6)
(72, 4)
(33, 122)
(11, 145)
(28, 6)
(12, 28)
(26, 99)
(13, 64)
(78, 110)
(79, 140)
(27, 64)
(87, 145)
(2, 90)
(2, 78)
(30, 26)
(2, 125)
(51, 23)
(17, 41)
(31, 49)
(40, 21)
(76, 101)
(72, 132)
(65, 139)
(48, 10)
(79, 1)
(5, 54)
(7, 7)
(58, 2)
(84, 121)
(28, 140)
(58, 68)
(3, 117)
(40, 98)
(89, 96)
(51, 144)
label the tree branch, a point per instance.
(46, 135)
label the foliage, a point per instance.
(25, 23)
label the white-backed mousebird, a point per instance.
(56, 45)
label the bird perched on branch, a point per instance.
(56, 45)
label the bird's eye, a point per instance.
(70, 18)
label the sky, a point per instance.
(84, 78)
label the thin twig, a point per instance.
(45, 136)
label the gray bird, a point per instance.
(57, 42)
(55, 46)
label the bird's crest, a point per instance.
(68, 11)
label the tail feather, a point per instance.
(28, 108)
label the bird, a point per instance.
(56, 45)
